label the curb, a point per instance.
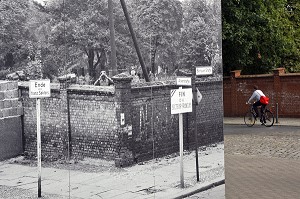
(275, 124)
(214, 184)
(293, 122)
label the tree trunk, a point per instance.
(103, 60)
(91, 69)
(9, 60)
(101, 64)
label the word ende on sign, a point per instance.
(39, 88)
(181, 100)
(204, 70)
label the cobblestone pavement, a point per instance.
(262, 162)
(280, 142)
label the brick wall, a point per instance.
(88, 129)
(282, 88)
(121, 123)
(10, 120)
(152, 118)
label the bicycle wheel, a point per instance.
(249, 119)
(268, 118)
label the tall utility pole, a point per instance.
(134, 40)
(113, 57)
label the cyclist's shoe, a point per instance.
(262, 121)
(255, 117)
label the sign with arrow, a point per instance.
(199, 96)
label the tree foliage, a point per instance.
(64, 35)
(82, 27)
(258, 35)
(14, 33)
(201, 43)
(159, 25)
(293, 8)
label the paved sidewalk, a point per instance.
(154, 179)
(281, 121)
(262, 162)
(250, 177)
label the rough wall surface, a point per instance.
(93, 122)
(122, 123)
(73, 122)
(283, 89)
(10, 120)
(152, 119)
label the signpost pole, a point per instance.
(39, 89)
(195, 120)
(38, 127)
(181, 102)
(181, 147)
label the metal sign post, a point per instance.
(39, 148)
(39, 89)
(195, 121)
(181, 102)
(181, 149)
(197, 96)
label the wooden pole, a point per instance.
(113, 57)
(134, 41)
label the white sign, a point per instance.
(199, 96)
(39, 88)
(204, 70)
(183, 81)
(181, 100)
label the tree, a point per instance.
(158, 23)
(14, 34)
(200, 41)
(257, 36)
(85, 28)
(293, 8)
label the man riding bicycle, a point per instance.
(259, 99)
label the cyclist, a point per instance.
(259, 99)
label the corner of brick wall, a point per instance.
(124, 148)
(54, 124)
(11, 143)
(9, 100)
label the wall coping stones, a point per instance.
(278, 71)
(255, 76)
(76, 88)
(122, 76)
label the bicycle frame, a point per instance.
(267, 117)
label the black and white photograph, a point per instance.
(162, 99)
(111, 99)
